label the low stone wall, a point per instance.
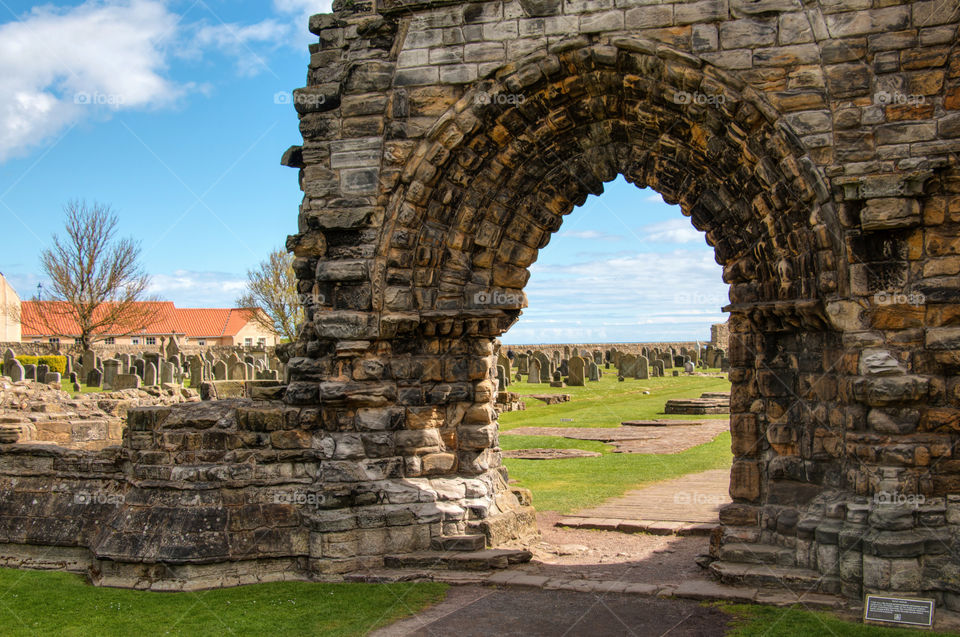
(228, 492)
(626, 348)
(45, 414)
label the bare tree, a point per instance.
(98, 286)
(271, 295)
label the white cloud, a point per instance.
(627, 297)
(239, 40)
(188, 288)
(61, 65)
(589, 235)
(655, 198)
(672, 231)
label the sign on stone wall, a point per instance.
(896, 610)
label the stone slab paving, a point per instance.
(636, 439)
(688, 505)
(475, 611)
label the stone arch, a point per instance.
(495, 175)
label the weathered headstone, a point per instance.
(642, 368)
(150, 374)
(42, 371)
(220, 370)
(95, 378)
(593, 371)
(501, 378)
(126, 381)
(575, 374)
(688, 367)
(166, 372)
(111, 368)
(533, 375)
(14, 369)
(52, 378)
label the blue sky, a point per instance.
(175, 114)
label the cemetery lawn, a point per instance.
(570, 484)
(54, 603)
(607, 402)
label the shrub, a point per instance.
(55, 363)
(27, 360)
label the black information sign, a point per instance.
(915, 612)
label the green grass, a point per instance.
(764, 621)
(44, 603)
(607, 402)
(575, 483)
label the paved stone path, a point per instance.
(688, 505)
(480, 612)
(636, 439)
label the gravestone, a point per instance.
(523, 364)
(139, 367)
(149, 374)
(42, 371)
(688, 367)
(30, 371)
(501, 380)
(220, 370)
(166, 372)
(52, 378)
(657, 366)
(249, 371)
(196, 371)
(642, 368)
(627, 365)
(95, 378)
(8, 356)
(557, 380)
(69, 364)
(111, 368)
(593, 371)
(575, 373)
(14, 369)
(73, 377)
(126, 381)
(533, 375)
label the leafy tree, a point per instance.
(272, 293)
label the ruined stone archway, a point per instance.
(476, 160)
(794, 135)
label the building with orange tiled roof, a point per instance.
(192, 326)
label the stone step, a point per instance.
(459, 543)
(390, 576)
(485, 560)
(744, 552)
(788, 577)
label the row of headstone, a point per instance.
(125, 370)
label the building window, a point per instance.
(135, 341)
(109, 340)
(151, 340)
(248, 342)
(76, 341)
(36, 340)
(201, 342)
(53, 340)
(261, 341)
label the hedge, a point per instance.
(55, 363)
